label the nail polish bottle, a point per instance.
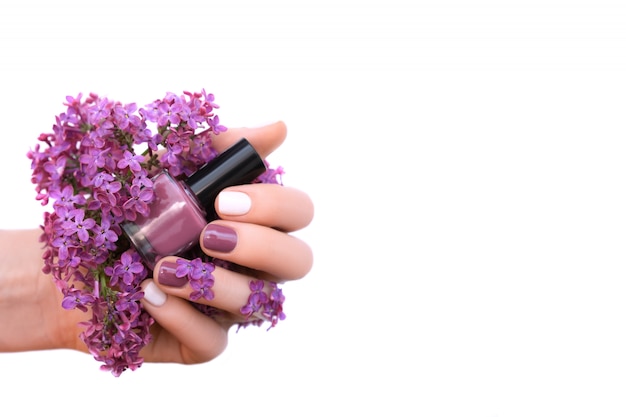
(181, 209)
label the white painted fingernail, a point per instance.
(154, 295)
(233, 203)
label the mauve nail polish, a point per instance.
(167, 275)
(181, 209)
(219, 238)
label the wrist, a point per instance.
(31, 316)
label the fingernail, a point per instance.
(219, 238)
(233, 203)
(167, 275)
(154, 295)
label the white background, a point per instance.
(467, 162)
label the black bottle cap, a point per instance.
(239, 164)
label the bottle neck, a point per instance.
(239, 164)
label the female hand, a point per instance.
(252, 232)
(261, 216)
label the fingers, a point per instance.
(257, 247)
(184, 334)
(230, 289)
(264, 139)
(252, 232)
(270, 205)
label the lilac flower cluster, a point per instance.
(95, 167)
(200, 278)
(264, 306)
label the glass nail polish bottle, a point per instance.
(181, 209)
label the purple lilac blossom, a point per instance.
(264, 304)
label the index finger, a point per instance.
(264, 139)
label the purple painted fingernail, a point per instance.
(167, 275)
(219, 238)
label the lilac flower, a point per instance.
(104, 131)
(263, 305)
(101, 177)
(72, 116)
(79, 225)
(99, 111)
(202, 148)
(55, 168)
(185, 113)
(110, 188)
(62, 214)
(145, 136)
(256, 299)
(130, 303)
(167, 112)
(104, 235)
(150, 112)
(170, 156)
(94, 139)
(201, 270)
(131, 161)
(102, 198)
(142, 180)
(272, 176)
(209, 100)
(124, 117)
(95, 159)
(201, 280)
(201, 289)
(63, 244)
(184, 267)
(138, 201)
(66, 197)
(215, 125)
(125, 269)
(76, 298)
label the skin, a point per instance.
(31, 316)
